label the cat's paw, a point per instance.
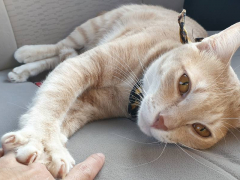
(19, 74)
(31, 147)
(32, 53)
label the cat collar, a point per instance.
(135, 98)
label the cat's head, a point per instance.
(192, 95)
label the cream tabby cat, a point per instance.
(190, 91)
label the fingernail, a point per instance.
(101, 155)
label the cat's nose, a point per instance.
(159, 123)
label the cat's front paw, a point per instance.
(32, 147)
(19, 74)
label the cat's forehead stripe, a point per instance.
(199, 90)
(200, 86)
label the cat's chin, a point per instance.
(160, 135)
(144, 127)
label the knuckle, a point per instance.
(85, 170)
(5, 161)
(38, 166)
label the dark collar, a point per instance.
(135, 98)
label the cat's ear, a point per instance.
(223, 44)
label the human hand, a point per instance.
(11, 169)
(88, 169)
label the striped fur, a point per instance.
(117, 48)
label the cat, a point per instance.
(190, 92)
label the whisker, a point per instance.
(139, 142)
(129, 69)
(128, 90)
(122, 81)
(232, 133)
(125, 80)
(223, 136)
(125, 75)
(143, 164)
(230, 118)
(200, 161)
(143, 70)
(122, 66)
(17, 105)
(128, 93)
(236, 67)
(231, 126)
(207, 152)
(131, 74)
(130, 82)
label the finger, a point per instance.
(88, 169)
(1, 152)
(8, 160)
(41, 171)
(10, 155)
(8, 152)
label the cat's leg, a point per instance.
(23, 72)
(32, 53)
(40, 138)
(87, 34)
(81, 36)
(93, 105)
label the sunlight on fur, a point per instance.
(191, 93)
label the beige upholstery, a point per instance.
(7, 40)
(48, 21)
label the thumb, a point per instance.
(88, 169)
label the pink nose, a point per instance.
(159, 123)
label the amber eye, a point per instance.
(183, 84)
(201, 130)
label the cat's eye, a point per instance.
(184, 83)
(201, 130)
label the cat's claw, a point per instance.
(31, 159)
(29, 148)
(10, 139)
(62, 171)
